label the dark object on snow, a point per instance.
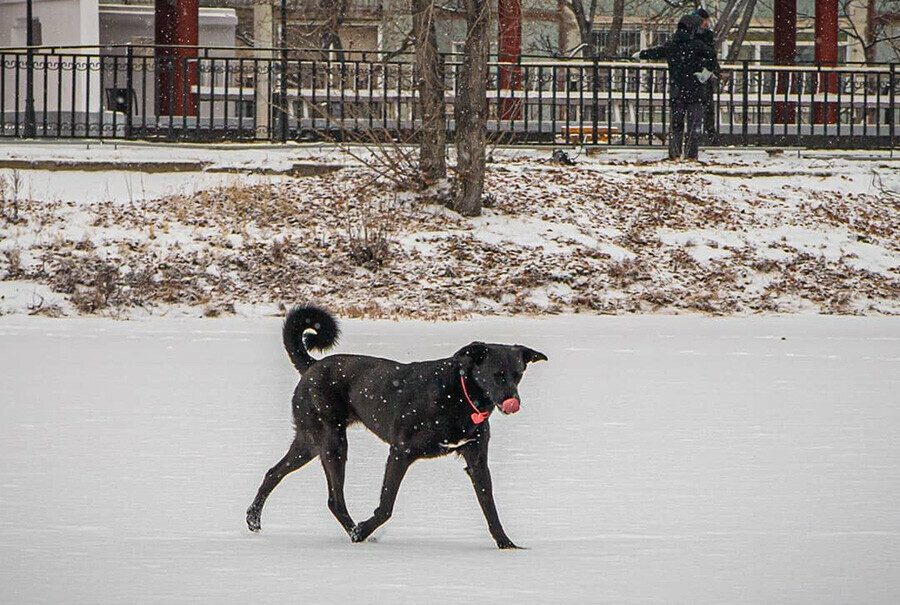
(488, 200)
(422, 410)
(561, 157)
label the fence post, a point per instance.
(893, 117)
(129, 89)
(283, 105)
(595, 135)
(745, 102)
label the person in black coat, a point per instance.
(705, 34)
(691, 63)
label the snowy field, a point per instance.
(655, 460)
(135, 230)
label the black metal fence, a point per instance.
(136, 92)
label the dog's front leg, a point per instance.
(397, 464)
(475, 455)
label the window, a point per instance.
(629, 41)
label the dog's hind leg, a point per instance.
(397, 465)
(297, 456)
(334, 460)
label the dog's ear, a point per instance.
(531, 356)
(476, 351)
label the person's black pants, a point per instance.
(709, 117)
(685, 137)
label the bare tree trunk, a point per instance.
(470, 111)
(432, 162)
(870, 32)
(584, 21)
(335, 12)
(742, 31)
(615, 31)
(726, 20)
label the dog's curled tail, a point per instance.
(308, 327)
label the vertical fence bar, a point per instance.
(540, 90)
(865, 111)
(17, 91)
(240, 105)
(226, 98)
(892, 103)
(371, 94)
(129, 87)
(798, 118)
(171, 98)
(624, 82)
(609, 81)
(115, 85)
(144, 95)
(745, 102)
(312, 96)
(878, 104)
(212, 96)
(59, 77)
(199, 113)
(399, 98)
(581, 111)
(284, 67)
(328, 93)
(553, 87)
(72, 111)
(595, 104)
(186, 95)
(650, 90)
(839, 107)
(665, 85)
(87, 99)
(3, 93)
(568, 128)
(44, 93)
(760, 83)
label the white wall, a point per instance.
(73, 22)
(85, 23)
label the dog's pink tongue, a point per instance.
(510, 406)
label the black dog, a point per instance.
(422, 410)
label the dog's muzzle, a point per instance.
(510, 406)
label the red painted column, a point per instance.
(826, 55)
(177, 24)
(509, 22)
(785, 54)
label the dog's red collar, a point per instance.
(477, 416)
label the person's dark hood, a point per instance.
(687, 28)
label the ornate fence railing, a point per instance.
(214, 93)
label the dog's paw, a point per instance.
(253, 523)
(508, 545)
(356, 535)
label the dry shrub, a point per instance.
(370, 230)
(627, 271)
(13, 261)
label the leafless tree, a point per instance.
(615, 30)
(470, 110)
(875, 29)
(428, 70)
(585, 20)
(738, 40)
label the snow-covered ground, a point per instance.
(656, 460)
(743, 232)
